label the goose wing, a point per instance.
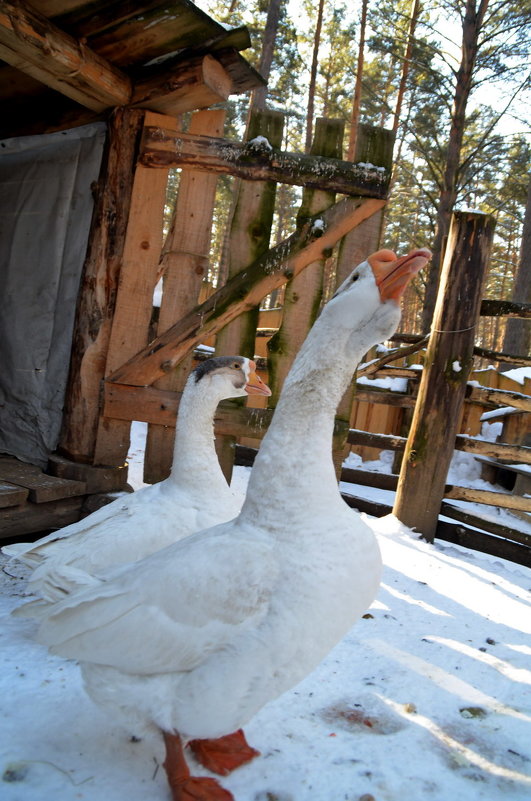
(169, 612)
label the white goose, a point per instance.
(135, 525)
(198, 637)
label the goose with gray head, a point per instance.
(194, 496)
(196, 638)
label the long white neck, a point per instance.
(194, 453)
(295, 457)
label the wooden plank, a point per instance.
(461, 535)
(500, 450)
(243, 292)
(138, 277)
(486, 524)
(41, 487)
(29, 518)
(257, 161)
(11, 495)
(499, 396)
(99, 286)
(184, 264)
(196, 83)
(159, 406)
(443, 385)
(96, 479)
(303, 292)
(34, 45)
(373, 146)
(487, 497)
(249, 235)
(504, 308)
(366, 478)
(383, 396)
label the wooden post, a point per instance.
(449, 360)
(249, 239)
(303, 293)
(373, 146)
(134, 302)
(99, 285)
(185, 261)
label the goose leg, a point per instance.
(183, 786)
(223, 754)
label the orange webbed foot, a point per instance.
(200, 789)
(224, 754)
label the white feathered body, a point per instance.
(198, 637)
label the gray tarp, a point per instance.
(45, 213)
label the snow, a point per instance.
(456, 366)
(260, 142)
(388, 382)
(519, 374)
(427, 698)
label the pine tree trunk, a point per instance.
(313, 77)
(259, 95)
(355, 116)
(472, 24)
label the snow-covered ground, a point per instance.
(427, 699)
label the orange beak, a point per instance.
(255, 385)
(392, 275)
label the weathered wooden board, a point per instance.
(99, 286)
(41, 487)
(499, 396)
(185, 262)
(33, 44)
(443, 385)
(134, 301)
(96, 479)
(29, 518)
(196, 83)
(11, 495)
(259, 161)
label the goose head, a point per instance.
(367, 303)
(229, 377)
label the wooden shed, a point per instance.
(80, 222)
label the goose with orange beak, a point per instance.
(135, 525)
(197, 638)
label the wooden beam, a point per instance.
(184, 264)
(243, 292)
(444, 379)
(501, 397)
(258, 161)
(142, 248)
(249, 234)
(481, 447)
(504, 308)
(194, 84)
(99, 285)
(34, 45)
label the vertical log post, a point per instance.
(249, 238)
(449, 360)
(373, 146)
(99, 285)
(304, 292)
(185, 262)
(138, 276)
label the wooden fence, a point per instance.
(143, 381)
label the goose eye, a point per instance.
(354, 278)
(236, 365)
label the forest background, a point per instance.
(451, 78)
